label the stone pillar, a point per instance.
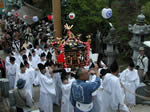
(110, 53)
(4, 85)
(138, 30)
(110, 41)
(98, 42)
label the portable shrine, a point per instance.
(70, 51)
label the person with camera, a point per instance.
(142, 64)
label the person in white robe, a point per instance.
(113, 95)
(7, 60)
(58, 83)
(25, 58)
(35, 59)
(32, 72)
(66, 106)
(54, 57)
(96, 95)
(19, 57)
(25, 75)
(46, 50)
(38, 50)
(12, 70)
(15, 53)
(42, 59)
(47, 89)
(30, 60)
(130, 80)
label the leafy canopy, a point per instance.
(88, 14)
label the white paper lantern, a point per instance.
(9, 13)
(25, 16)
(3, 10)
(106, 13)
(35, 18)
(12, 10)
(71, 15)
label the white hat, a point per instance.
(30, 34)
(46, 23)
(40, 29)
(141, 49)
(48, 34)
(48, 29)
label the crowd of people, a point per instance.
(31, 62)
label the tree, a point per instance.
(88, 14)
(146, 11)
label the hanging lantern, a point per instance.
(3, 10)
(71, 15)
(50, 17)
(106, 13)
(35, 18)
(9, 13)
(25, 16)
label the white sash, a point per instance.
(84, 107)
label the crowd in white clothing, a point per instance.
(38, 67)
(55, 85)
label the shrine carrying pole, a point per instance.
(57, 18)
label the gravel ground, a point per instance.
(141, 108)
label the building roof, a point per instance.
(30, 11)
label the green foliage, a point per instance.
(143, 2)
(146, 10)
(88, 14)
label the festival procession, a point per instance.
(67, 61)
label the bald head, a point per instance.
(82, 74)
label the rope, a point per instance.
(140, 96)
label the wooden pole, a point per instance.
(57, 18)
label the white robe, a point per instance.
(42, 62)
(66, 105)
(11, 72)
(58, 83)
(7, 61)
(38, 51)
(130, 80)
(36, 78)
(31, 71)
(47, 90)
(19, 59)
(113, 95)
(35, 60)
(46, 52)
(96, 95)
(54, 57)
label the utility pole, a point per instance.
(57, 18)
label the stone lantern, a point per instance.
(139, 31)
(110, 46)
